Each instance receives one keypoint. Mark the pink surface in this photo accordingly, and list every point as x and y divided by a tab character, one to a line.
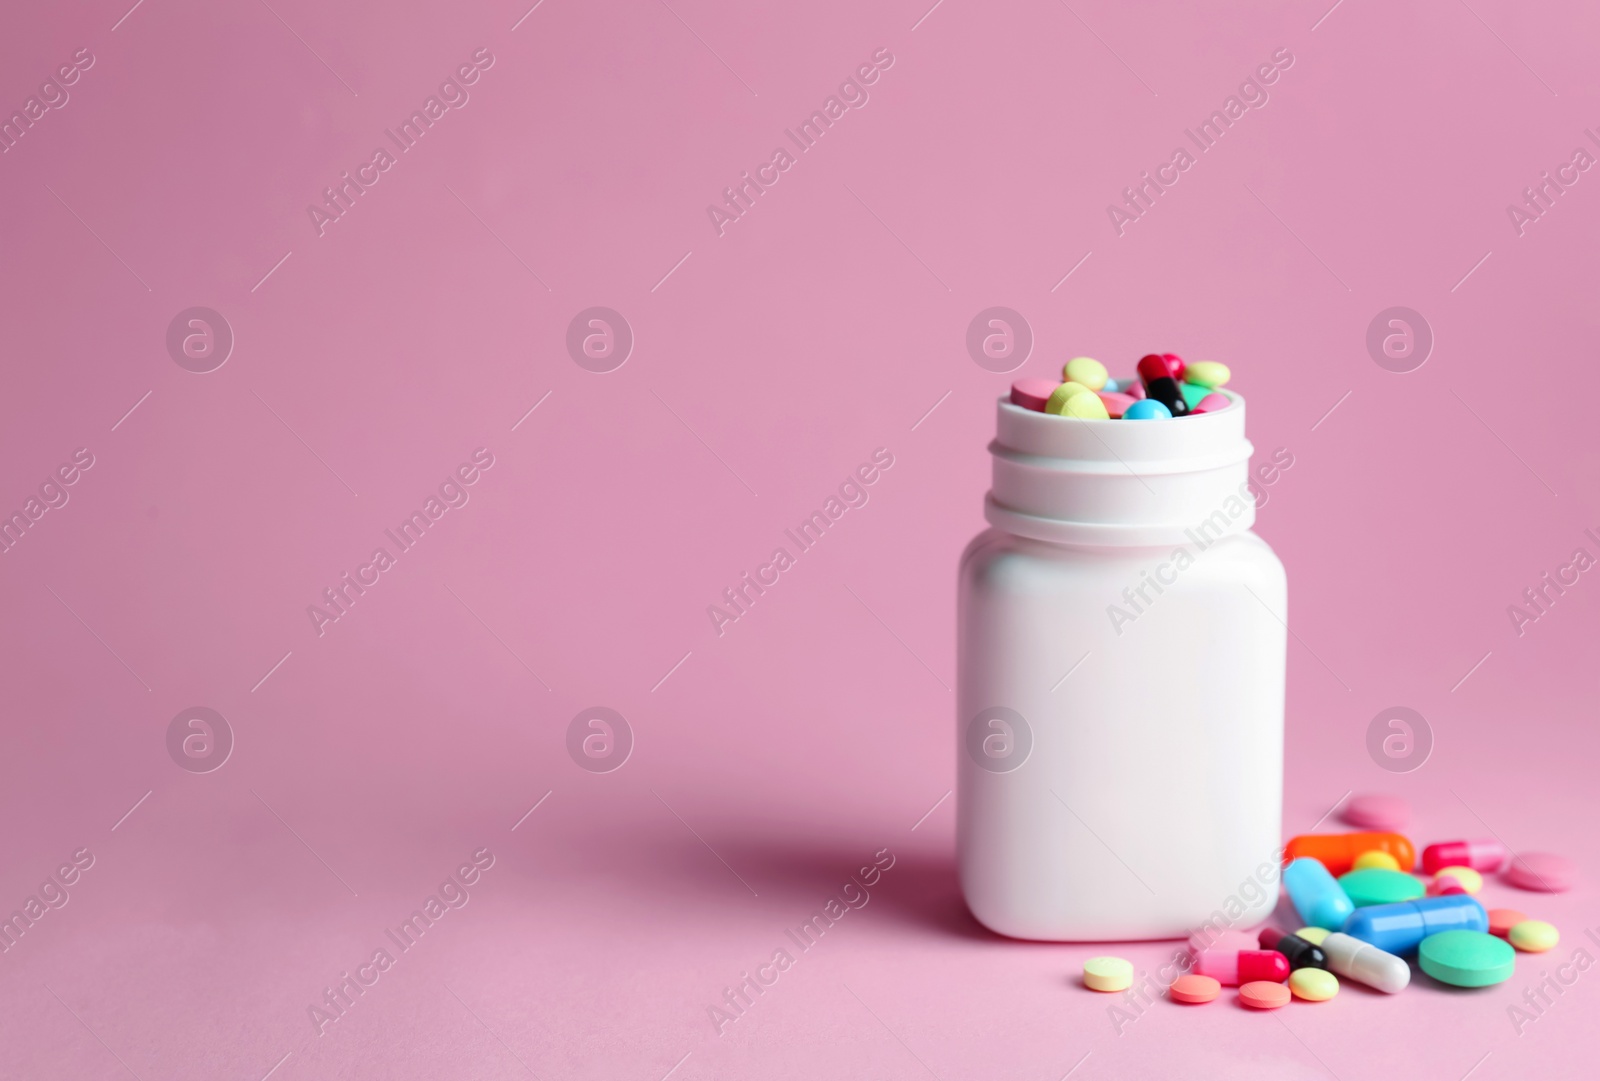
766	358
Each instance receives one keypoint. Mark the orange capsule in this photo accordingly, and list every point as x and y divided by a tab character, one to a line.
1338	851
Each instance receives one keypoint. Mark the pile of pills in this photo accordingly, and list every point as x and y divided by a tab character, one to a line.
1165	387
1365	913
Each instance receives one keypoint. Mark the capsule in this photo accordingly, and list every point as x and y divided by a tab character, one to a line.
1232	969
1365	963
1338	851
1299	952
1479	855
1316	894
1156	373
1400	927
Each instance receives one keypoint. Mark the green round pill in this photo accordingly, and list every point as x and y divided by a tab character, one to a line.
1193	392
1378	886
1467	958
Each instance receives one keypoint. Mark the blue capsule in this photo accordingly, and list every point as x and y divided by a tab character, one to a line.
1316	894
1147	409
1400	928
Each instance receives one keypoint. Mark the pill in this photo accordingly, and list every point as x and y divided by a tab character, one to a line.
1299	952
1313	935
1338	851
1262	995
1111	386
1444	886
1397	928
1213	403
1107	974
1542	871
1313	984
1146	409
1229	940
1032	393
1132	388
1085	407
1193	393
1116	404
1244	966
1086	370
1375	860
1502	920
1059	397
1466	958
1207	373
1478	855
1175	365
1194	988
1376	886
1316	896
1375	811
1470	880
1533	936
1365	963
1161	386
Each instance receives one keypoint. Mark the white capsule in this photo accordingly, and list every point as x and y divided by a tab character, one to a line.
1365	963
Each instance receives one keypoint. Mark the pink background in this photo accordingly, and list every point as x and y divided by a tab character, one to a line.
773	760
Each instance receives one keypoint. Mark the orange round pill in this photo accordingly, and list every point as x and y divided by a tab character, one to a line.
1262	995
1502	920
1194	988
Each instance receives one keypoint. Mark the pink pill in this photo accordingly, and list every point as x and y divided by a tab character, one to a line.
1387	814
1542	871
1444	885
1211	403
1175	365
1115	402
1033	393
1135	389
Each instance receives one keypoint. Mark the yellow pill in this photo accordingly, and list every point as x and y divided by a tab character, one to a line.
1313	935
1313	984
1375	859
1107	974
1086	370
1206	373
1085	407
1470	880
1533	936
1062	394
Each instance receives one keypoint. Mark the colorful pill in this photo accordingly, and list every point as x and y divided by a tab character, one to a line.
1161	386
1478	855
1245	966
1313	984
1175	365
1213	403
1466	958
1377	812
1207	373
1369	861
1376	886
1397	928
1146	409
1298	952
1338	851
1107	974
1116	404
1085	407
1132	388
1542	871
1059	397
1470	880
1262	995
1502	920
1086	370
1315	894
1032	393
1314	935
1444	886
1365	963
1533	936
1194	988
1193	393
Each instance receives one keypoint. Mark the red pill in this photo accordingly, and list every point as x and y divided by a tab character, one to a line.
1033	393
1157	366
1245	966
1479	855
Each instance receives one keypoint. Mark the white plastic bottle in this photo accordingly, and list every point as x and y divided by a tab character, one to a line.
1121	647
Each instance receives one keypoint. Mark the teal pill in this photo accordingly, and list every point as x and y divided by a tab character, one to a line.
1377	886
1147	409
1193	392
1467	958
